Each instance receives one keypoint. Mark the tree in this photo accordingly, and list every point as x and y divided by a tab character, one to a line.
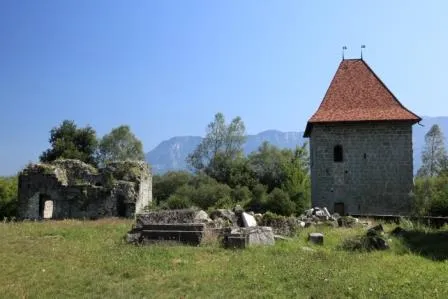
69	142
297	180
434	157
163	186
120	144
222	139
267	164
284	169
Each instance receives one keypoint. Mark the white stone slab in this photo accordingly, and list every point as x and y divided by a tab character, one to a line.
48	209
248	220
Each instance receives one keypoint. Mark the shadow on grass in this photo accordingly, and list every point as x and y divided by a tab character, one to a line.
432	245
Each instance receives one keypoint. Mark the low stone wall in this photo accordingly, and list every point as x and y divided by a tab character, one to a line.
167	217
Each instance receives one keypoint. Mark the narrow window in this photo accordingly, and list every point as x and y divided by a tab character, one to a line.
338	154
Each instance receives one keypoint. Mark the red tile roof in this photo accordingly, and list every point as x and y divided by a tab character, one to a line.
356	94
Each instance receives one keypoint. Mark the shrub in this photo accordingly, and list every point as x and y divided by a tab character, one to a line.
259	197
279	202
178	202
431	196
8	197
212	195
241	195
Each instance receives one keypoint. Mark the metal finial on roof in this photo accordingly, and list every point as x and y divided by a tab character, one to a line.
362	47
343	50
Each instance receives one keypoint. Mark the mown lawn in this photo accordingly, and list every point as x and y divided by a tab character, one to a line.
89	259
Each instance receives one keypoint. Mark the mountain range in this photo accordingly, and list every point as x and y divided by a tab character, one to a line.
171	154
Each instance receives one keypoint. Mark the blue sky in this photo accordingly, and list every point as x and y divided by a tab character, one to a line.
166	67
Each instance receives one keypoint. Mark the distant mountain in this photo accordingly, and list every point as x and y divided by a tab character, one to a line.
171	154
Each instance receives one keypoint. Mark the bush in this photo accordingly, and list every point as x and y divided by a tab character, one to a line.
258	202
431	196
241	195
212	195
279	202
8	197
166	185
178	202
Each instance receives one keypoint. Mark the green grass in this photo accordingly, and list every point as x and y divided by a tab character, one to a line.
89	259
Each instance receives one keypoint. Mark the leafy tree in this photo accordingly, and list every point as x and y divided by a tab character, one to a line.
233	172
268	165
69	142
120	144
163	186
434	157
8	196
226	140
297	180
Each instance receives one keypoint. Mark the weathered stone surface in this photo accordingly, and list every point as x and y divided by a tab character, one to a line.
348	221
133	237
188	233
202	217
260	235
248	220
72	189
281	225
316	238
372	240
257	235
227	215
327	213
167	217
235	241
375	176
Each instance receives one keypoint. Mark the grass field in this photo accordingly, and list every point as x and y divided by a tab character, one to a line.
89	259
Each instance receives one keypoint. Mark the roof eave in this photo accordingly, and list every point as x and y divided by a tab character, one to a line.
310	124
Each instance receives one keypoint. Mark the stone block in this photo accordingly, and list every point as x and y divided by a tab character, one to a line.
258	235
248	220
316	238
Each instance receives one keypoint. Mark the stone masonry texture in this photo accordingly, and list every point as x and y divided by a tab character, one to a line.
73	189
375	176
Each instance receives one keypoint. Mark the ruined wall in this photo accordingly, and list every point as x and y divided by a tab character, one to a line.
375	176
73	189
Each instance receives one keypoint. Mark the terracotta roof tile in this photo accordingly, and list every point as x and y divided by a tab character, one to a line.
357	94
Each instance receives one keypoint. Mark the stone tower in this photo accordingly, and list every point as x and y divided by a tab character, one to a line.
361	146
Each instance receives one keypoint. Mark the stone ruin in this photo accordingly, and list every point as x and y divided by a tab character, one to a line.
235	228
69	188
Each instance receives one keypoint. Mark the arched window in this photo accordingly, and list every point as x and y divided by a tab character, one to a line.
338	155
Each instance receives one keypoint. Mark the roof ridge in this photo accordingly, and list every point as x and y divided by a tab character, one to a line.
388	90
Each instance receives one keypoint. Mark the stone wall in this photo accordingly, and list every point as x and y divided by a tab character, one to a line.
73	189
375	176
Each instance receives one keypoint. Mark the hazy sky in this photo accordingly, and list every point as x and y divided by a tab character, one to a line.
166	67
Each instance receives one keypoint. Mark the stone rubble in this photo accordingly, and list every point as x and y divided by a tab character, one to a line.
237	228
